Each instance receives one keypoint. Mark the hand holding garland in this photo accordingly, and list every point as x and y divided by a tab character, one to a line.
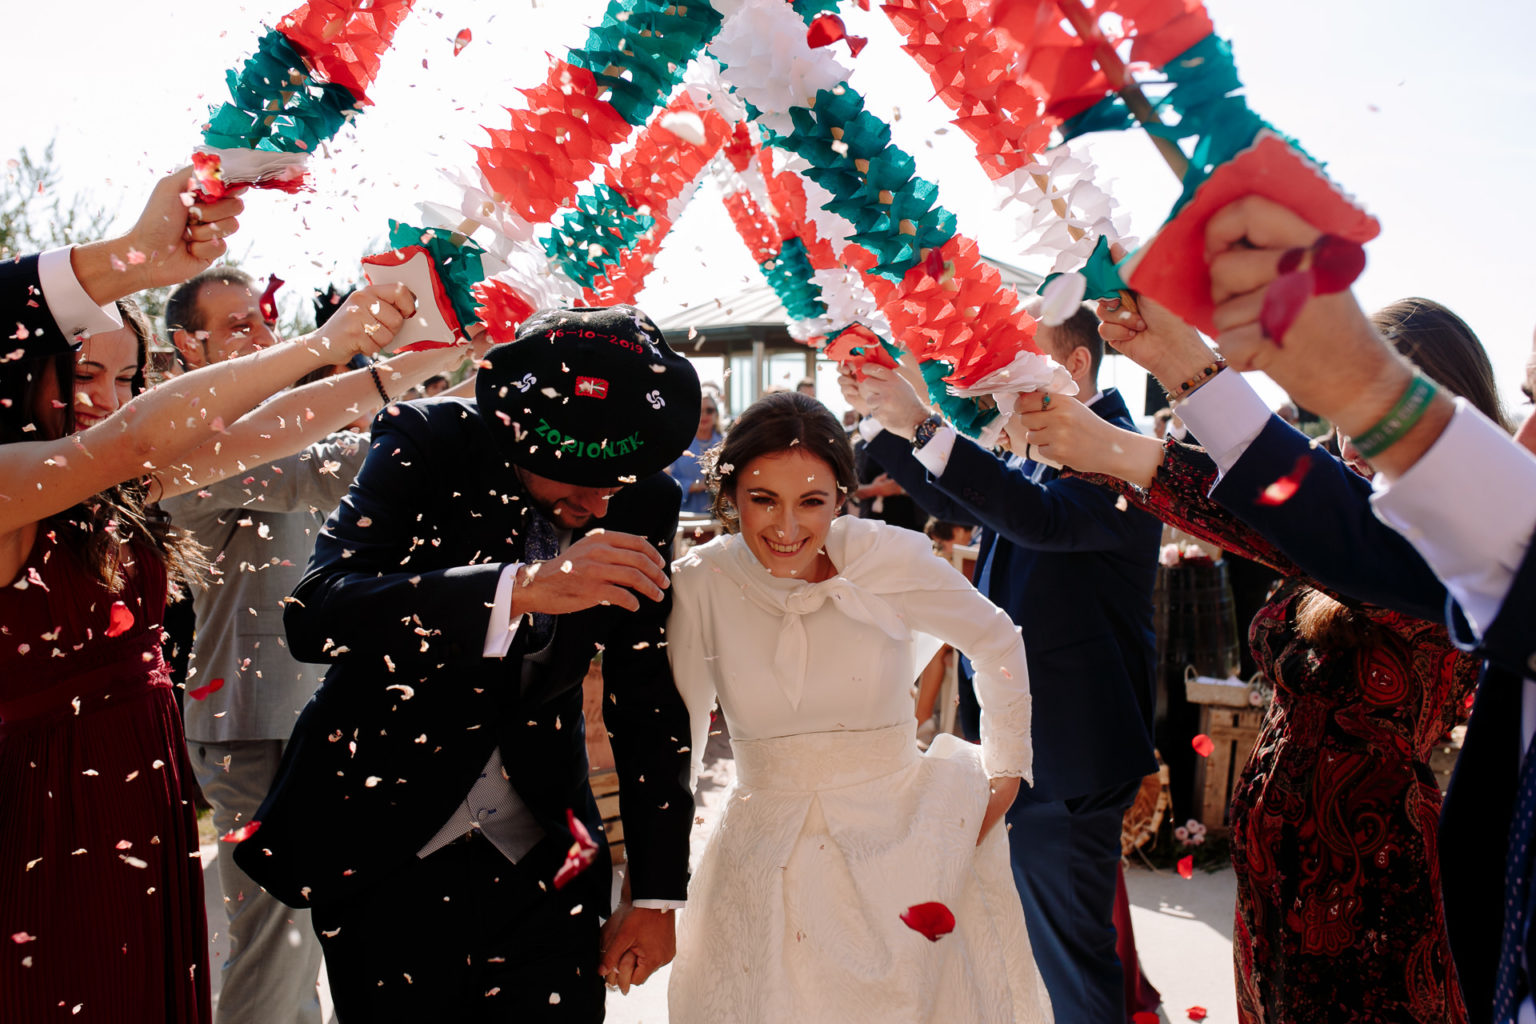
1331	360
174	238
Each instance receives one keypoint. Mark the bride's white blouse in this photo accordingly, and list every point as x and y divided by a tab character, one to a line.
787	657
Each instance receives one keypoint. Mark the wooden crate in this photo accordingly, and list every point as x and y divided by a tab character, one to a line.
1234	733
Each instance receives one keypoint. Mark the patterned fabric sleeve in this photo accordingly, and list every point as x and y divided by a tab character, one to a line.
1180	496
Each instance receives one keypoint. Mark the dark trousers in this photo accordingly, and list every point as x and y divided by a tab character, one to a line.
1066	859
464	935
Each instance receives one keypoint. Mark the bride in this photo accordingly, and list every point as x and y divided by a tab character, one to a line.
806	627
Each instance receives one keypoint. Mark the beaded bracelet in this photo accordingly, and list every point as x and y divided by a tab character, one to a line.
1400	419
373	370
1183	390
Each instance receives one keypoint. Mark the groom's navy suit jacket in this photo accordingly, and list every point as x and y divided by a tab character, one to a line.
396	600
22	305
1075	573
1329	529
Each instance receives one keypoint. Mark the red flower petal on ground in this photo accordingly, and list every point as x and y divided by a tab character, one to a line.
1281	491
825	30
241	834
1283	300
1196	1013
1144	1017
1203	745
120	620
581	854
1336	262
1186	866
462	40
202	692
930	920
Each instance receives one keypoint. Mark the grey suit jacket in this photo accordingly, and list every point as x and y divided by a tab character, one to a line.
260	528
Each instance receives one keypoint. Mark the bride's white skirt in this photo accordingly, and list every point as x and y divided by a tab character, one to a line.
795	912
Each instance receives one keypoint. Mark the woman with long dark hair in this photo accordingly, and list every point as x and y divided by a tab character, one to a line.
1334	842
100	884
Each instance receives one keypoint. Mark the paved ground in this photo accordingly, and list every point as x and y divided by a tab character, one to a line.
1183	931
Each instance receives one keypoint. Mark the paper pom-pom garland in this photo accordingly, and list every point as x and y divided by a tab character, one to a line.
307	78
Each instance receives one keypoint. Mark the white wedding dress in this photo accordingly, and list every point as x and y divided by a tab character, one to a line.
838	824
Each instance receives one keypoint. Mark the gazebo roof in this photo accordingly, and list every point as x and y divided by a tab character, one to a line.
756	313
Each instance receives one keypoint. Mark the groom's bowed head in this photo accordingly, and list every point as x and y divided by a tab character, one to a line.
589	396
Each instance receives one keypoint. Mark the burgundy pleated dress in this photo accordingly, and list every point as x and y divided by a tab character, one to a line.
101	891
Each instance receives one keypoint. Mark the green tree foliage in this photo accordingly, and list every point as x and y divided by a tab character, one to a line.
36	215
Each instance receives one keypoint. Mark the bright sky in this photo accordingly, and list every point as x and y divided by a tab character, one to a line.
1413	104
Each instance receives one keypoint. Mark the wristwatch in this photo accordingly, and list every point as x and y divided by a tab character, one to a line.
925	430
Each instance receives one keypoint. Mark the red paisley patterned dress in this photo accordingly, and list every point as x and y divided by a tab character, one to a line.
1334	817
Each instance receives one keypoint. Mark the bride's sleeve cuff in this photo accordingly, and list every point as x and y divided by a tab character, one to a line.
659	904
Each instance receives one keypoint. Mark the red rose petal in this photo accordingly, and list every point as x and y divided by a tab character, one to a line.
933	265
202	692
22	937
1144	1017
241	834
1282	490
855	44
1336	262
1290	260
1196	1013
1283	301
825	30
1203	745
462	40
1186	866
930	920
581	854
120	621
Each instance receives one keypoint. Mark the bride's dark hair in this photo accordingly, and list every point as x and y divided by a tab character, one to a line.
777	423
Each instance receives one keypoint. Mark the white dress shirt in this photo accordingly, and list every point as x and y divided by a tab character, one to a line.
71	308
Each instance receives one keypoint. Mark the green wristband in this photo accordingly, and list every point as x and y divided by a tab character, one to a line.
1400	419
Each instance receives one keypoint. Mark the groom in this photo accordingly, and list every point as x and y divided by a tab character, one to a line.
485	553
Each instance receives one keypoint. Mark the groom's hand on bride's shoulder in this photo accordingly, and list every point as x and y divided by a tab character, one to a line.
604	567
636	942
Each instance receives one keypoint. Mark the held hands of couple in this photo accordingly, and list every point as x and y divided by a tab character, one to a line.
604	567
636	942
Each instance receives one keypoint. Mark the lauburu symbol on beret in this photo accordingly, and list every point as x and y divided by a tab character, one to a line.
654	397
528	381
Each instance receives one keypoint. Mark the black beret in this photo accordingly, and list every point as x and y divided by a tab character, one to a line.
592	396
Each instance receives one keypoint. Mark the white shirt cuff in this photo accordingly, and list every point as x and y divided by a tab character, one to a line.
659	904
500	631
935	454
869	428
71	307
1225	414
1475	545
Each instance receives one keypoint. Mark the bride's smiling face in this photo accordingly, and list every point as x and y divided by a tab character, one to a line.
786	502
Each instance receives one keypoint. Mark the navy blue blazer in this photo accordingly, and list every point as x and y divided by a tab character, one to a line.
1329	530
1075	573
395	601
22	305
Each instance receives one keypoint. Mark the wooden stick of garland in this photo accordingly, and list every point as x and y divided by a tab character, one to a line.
1087	28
